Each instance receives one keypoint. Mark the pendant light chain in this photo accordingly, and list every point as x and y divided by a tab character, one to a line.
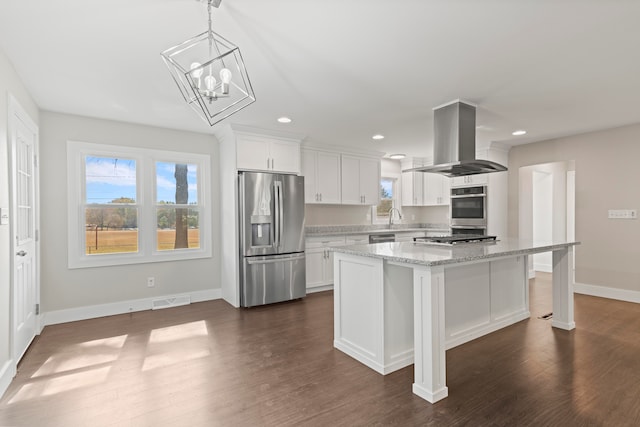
210	30
211	40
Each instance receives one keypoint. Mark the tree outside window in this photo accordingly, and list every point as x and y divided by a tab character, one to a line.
386	197
177	209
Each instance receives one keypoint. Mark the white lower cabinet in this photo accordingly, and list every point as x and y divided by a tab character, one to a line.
408	236
484	297
319	262
357	239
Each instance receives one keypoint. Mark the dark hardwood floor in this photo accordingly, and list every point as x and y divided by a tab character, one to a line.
208	364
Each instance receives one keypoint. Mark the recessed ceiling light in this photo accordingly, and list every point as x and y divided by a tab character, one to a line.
397	156
284	120
518	132
378	136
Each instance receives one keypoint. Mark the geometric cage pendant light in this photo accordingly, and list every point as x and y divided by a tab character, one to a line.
210	74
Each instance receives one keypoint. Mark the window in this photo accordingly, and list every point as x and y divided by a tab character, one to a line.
386	198
177	210
388	190
129	205
110	209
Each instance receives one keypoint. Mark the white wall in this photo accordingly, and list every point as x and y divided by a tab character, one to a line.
9	84
606	175
542	217
68	290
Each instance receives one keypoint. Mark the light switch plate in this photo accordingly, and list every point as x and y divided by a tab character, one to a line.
4	216
623	214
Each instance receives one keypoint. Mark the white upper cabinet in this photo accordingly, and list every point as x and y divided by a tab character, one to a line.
423	189
266	153
436	189
321	171
469	180
412	188
360	180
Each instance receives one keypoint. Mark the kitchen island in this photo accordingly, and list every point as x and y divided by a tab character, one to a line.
401	303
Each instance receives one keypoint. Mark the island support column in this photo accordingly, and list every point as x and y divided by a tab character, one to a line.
563	289
429	333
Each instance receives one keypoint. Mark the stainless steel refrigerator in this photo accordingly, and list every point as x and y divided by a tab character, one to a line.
271	225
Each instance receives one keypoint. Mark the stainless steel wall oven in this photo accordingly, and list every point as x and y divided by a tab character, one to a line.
469	209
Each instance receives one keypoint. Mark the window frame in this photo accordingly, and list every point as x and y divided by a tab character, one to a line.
375	219
146	201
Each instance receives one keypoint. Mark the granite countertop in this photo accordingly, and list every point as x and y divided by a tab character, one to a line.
343	230
429	254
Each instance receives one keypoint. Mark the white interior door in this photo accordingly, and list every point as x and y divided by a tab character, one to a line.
25	286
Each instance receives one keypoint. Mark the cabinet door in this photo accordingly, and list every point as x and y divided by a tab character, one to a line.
285	156
309	171
469	180
350	171
436	189
359	239
315	263
370	181
328	268
432	189
252	154
328	177
412	188
408	237
446	190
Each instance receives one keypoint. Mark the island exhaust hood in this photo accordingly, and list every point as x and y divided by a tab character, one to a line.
454	145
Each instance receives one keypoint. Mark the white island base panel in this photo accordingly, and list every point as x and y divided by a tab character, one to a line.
384	309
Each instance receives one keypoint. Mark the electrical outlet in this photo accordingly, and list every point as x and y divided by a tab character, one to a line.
151	282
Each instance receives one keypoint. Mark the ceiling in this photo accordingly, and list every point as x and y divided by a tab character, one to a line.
344	70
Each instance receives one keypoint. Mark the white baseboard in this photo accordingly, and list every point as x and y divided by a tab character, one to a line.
319	289
545	268
607	292
93	311
7	373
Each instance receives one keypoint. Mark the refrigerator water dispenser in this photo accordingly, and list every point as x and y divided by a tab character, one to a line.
261	231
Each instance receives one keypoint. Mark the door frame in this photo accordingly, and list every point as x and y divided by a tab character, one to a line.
17	112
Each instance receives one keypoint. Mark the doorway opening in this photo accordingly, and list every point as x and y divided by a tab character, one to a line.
546	207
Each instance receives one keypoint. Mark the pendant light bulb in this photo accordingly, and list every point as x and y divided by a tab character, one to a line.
210	83
225	76
196	72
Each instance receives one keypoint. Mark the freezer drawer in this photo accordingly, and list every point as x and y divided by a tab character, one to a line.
269	279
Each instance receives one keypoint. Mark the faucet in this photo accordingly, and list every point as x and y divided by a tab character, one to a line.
391	215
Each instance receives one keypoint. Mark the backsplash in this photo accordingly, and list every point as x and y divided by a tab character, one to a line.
320	229
361	215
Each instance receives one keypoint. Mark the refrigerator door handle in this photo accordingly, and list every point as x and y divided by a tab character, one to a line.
274	260
277	190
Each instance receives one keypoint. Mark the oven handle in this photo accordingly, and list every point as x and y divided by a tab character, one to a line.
462	196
